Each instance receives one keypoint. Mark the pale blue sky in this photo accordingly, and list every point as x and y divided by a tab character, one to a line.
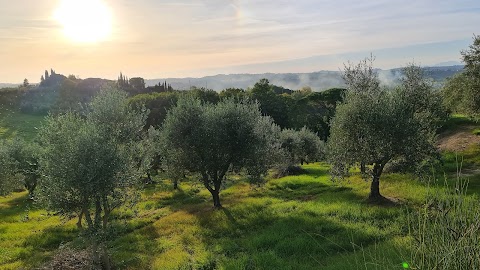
154	39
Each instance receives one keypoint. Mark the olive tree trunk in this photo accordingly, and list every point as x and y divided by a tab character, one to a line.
375	185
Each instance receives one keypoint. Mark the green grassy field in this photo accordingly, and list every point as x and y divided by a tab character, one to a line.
296	222
14	123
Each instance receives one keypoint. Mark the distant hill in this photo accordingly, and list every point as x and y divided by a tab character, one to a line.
7	85
318	81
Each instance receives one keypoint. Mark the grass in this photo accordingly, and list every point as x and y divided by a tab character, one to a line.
14	123
296	222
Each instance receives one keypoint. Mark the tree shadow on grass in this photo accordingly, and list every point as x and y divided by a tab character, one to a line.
309	191
180	198
274	241
39	247
135	249
16	207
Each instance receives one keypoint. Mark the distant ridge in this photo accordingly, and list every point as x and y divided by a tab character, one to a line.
7	85
318	81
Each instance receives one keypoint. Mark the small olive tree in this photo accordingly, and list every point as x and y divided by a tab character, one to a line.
300	147
211	139
7	169
389	127
25	154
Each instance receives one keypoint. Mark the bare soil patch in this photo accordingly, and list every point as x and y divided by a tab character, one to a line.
459	139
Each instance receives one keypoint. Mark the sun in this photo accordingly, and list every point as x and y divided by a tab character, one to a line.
85	21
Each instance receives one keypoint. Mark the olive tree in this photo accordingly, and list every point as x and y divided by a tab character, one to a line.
300	147
7	168
361	78
91	164
25	154
211	139
462	91
83	171
376	129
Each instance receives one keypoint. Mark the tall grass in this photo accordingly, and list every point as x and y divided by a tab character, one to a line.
445	231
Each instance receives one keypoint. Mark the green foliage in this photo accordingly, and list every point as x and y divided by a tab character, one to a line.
10	97
39	101
462	92
92	162
471	57
137	84
271	104
237	93
314	110
25	154
376	125
7	170
210	139
111	112
157	104
361	77
204	94
300	147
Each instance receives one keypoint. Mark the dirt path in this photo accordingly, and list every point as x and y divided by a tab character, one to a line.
459	139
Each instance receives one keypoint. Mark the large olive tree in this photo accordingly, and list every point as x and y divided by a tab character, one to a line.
211	139
379	126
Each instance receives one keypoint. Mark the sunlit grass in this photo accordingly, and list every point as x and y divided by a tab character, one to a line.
296	222
28	235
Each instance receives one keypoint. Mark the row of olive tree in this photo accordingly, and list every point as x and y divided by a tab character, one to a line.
91	163
209	140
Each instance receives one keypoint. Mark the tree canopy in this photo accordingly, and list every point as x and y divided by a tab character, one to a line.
462	91
379	125
91	162
7	170
211	139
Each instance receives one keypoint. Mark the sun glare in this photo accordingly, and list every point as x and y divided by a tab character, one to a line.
84	20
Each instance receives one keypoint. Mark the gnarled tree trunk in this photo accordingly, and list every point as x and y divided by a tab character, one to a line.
375	185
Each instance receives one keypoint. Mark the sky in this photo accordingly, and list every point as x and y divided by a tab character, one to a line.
193	38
